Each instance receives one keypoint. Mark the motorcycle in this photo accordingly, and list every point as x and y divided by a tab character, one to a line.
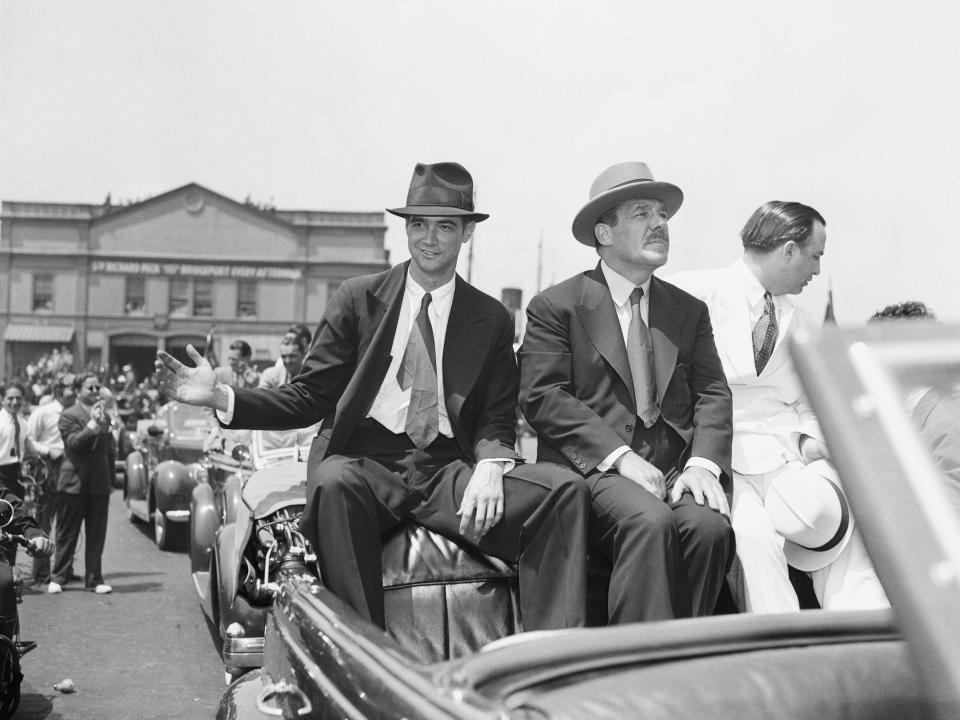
12	649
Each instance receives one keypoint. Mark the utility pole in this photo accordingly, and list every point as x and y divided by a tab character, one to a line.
473	241
540	261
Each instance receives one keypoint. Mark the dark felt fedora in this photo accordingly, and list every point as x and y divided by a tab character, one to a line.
617	184
441	189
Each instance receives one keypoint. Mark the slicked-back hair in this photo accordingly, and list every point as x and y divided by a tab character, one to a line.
776	222
910	310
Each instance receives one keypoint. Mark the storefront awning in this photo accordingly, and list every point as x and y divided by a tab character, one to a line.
38	333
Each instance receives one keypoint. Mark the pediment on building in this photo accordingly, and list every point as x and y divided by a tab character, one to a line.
192	220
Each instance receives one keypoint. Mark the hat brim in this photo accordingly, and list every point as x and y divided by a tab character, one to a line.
805	559
436	211
670	195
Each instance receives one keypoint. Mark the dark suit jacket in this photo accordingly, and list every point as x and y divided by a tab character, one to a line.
89	455
575	386
350	356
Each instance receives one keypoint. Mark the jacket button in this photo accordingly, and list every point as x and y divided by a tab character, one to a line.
629	428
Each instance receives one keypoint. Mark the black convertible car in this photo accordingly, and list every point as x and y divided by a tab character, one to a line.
449	651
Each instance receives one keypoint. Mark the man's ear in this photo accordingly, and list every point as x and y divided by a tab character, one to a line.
601	231
789	249
468	228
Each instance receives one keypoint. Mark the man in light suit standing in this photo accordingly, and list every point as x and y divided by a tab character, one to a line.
754	312
620	379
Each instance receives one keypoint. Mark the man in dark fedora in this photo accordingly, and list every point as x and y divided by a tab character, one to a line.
620	378
413	374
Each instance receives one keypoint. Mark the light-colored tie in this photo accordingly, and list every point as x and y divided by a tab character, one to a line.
764	334
640	356
418	371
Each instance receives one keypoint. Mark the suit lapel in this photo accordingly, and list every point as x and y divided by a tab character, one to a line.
598	315
382	312
666	320
733	330
467	336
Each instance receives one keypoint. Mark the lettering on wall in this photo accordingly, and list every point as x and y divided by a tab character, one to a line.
136	267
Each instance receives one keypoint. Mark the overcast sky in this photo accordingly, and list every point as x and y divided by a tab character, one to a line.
851	107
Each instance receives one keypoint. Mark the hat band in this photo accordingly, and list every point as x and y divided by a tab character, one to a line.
844	523
439	195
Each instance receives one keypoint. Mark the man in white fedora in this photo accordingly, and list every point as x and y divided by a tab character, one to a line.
753	311
620	378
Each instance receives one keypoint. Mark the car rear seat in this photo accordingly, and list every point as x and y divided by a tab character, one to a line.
444	600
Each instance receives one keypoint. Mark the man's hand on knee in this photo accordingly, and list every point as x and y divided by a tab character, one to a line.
643	473
704	486
482	500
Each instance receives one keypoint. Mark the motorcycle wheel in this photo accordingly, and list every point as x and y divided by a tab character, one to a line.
10	677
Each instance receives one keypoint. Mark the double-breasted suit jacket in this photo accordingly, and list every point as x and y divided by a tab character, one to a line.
89	455
350	356
769	410
576	386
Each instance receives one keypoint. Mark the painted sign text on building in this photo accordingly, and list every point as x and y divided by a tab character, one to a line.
135	267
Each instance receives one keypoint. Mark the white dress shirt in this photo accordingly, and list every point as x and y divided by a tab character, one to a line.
7	435
43	429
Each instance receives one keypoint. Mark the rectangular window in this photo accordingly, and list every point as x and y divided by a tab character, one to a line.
43	293
203	298
136	302
179	298
246	299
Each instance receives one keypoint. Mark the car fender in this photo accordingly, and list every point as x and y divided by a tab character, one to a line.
239	702
204	521
228	570
232	499
172	486
136	484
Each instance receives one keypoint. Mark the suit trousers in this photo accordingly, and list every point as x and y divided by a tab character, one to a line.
669	559
382	479
91	512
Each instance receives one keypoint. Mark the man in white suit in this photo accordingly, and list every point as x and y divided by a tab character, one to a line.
774	430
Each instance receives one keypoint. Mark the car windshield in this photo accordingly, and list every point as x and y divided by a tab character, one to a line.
189	421
886	397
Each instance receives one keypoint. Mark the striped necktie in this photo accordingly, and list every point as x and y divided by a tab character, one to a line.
764	334
418	371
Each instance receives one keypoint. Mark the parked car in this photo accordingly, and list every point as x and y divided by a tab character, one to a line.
322	660
164	468
244	526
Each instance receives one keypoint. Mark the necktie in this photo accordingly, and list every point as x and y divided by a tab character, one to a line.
418	371
764	334
16	435
640	356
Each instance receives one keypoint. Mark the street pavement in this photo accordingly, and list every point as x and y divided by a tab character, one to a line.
142	652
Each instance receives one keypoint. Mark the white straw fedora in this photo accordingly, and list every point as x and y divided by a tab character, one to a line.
808	508
618	183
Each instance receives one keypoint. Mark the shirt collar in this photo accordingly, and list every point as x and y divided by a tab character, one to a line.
620	287
438	297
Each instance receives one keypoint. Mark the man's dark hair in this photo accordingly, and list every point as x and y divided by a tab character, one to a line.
13	384
243	346
295	341
301	332
776	222
912	309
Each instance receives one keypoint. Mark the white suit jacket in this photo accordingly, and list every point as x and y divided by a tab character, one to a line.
770	411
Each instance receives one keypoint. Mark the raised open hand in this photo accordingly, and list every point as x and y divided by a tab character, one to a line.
192	385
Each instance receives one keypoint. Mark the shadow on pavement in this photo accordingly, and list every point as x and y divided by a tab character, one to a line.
34	705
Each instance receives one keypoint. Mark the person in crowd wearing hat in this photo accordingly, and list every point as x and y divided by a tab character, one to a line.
413	373
774	429
621	381
84	485
44	441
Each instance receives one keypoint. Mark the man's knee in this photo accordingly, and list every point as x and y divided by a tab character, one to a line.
653	522
337	477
